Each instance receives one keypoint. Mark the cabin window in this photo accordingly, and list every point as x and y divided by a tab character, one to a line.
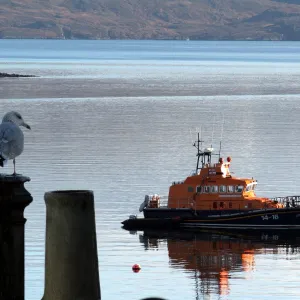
251	187
230	189
214	245
214	188
215	205
230	205
239	188
190	189
198	189
222	188
222	204
206	189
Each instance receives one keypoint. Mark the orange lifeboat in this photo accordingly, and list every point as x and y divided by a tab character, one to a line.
212	197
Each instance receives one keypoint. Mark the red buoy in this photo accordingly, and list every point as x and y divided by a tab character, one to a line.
136	268
229	159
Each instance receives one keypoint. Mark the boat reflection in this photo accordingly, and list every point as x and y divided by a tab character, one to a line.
211	257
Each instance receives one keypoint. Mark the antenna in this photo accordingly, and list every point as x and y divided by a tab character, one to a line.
205	154
222	129
200	133
213	130
199	152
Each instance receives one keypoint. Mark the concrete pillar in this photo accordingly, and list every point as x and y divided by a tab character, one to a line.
13	200
71	259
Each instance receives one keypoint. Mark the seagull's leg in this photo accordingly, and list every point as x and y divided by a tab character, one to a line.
14	162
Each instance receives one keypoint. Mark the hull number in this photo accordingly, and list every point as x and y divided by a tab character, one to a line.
270	237
270	217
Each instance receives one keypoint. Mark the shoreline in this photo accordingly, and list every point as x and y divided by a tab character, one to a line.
4	75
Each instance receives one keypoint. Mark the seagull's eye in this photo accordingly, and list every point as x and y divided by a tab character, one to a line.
18	116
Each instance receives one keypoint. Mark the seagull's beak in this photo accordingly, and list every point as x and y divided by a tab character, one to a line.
27	126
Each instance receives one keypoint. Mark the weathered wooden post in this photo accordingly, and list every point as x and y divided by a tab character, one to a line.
13	200
71	259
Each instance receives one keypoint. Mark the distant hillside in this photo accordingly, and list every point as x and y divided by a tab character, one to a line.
151	19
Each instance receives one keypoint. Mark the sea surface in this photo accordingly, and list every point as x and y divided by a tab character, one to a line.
120	118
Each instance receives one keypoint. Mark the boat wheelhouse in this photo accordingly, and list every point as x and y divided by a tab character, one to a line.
211	188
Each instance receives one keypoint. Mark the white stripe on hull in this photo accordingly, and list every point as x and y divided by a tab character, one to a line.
192	225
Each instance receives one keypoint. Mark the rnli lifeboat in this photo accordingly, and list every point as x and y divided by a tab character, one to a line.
213	197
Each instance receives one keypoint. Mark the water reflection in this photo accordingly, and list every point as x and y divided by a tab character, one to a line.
212	257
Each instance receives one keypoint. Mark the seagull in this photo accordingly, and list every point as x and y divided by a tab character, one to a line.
11	137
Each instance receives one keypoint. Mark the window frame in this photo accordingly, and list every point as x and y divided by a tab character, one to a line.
212	189
190	189
238	186
206	189
232	187
225	188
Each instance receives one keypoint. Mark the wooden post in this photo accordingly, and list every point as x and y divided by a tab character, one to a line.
13	200
71	260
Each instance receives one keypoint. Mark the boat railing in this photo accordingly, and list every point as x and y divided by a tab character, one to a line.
287	201
163	201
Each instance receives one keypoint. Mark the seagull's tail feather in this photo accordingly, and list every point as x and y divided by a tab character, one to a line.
3	161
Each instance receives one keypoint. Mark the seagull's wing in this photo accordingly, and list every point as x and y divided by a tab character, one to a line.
7	134
9	138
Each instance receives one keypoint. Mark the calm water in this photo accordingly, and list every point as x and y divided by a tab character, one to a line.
124	147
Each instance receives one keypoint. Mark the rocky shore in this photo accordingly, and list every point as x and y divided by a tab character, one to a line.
14	75
263	20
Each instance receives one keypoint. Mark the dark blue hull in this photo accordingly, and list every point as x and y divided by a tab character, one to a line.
163	213
284	218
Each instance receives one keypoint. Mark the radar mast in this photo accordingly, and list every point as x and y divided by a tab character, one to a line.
205	154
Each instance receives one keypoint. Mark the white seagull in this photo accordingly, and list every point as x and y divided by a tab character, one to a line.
11	138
